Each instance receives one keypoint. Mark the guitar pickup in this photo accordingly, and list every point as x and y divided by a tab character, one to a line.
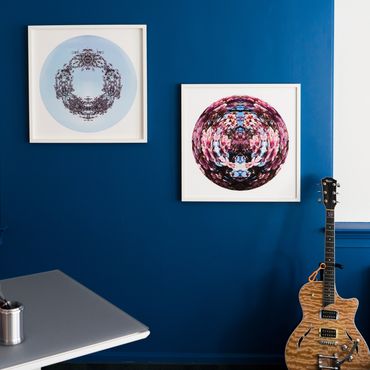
328	315
328	333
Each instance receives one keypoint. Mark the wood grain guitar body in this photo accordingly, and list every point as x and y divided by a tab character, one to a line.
327	337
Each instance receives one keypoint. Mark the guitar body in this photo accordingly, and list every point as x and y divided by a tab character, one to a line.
310	349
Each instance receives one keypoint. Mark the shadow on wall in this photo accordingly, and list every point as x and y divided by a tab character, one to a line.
2	231
276	310
364	314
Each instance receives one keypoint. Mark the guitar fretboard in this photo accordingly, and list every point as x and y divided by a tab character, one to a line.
329	272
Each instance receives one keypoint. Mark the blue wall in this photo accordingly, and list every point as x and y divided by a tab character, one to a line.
215	282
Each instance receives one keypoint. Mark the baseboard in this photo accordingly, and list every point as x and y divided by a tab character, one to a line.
117	356
120	360
71	366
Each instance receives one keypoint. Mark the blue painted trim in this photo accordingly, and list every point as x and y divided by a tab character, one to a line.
185	358
352	230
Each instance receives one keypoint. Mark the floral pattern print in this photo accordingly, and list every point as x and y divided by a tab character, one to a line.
88	108
240	142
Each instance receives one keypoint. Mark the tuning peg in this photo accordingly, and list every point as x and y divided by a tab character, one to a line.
338	185
319	200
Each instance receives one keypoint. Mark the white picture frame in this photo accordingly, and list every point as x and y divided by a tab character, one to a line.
109	109
284	186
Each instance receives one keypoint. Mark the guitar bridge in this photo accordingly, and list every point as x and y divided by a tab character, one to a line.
328	342
326	362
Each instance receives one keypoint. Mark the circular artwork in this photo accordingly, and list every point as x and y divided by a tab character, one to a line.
88	83
240	142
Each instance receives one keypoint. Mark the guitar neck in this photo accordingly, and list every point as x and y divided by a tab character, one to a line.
329	272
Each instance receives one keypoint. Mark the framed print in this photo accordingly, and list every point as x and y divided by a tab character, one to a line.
241	142
87	84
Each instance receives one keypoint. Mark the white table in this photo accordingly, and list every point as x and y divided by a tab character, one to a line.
63	320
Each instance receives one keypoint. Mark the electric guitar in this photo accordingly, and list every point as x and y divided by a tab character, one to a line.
327	337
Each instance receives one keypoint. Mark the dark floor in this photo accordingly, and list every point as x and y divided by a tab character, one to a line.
67	366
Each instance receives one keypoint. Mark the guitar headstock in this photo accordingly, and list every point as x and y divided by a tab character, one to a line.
329	192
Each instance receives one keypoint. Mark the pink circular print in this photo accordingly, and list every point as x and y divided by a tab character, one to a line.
240	142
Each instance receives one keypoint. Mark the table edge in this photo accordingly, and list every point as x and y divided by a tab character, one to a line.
82	351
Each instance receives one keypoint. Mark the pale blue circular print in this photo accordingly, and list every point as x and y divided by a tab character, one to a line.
88	83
